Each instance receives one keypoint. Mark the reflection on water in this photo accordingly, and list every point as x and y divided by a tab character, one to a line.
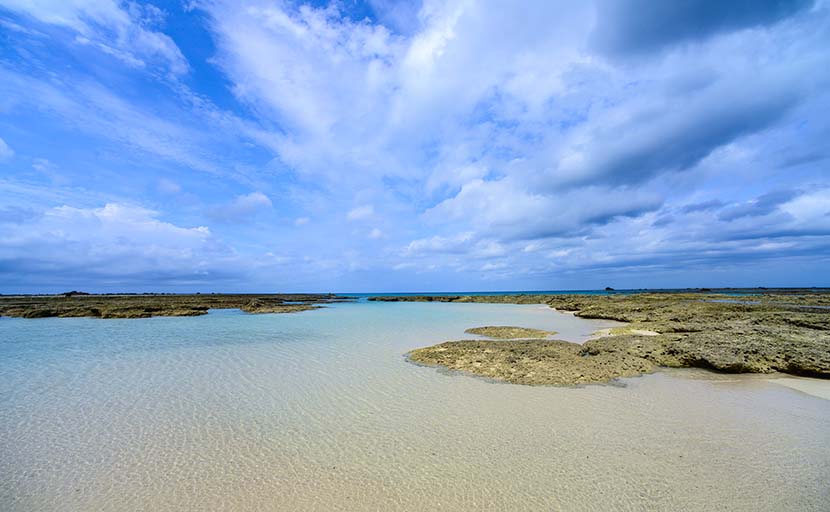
320	411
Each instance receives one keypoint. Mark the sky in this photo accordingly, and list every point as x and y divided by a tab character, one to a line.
385	145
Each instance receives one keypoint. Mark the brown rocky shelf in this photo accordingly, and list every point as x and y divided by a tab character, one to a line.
768	332
75	304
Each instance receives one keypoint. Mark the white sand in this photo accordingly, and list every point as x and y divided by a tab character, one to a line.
814	387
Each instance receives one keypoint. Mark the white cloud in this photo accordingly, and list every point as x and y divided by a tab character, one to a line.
358	102
116	239
361	212
202	138
507	209
119	29
375	234
6	153
168	187
242	208
528	153
533	246
811	209
489	267
324	78
50	170
440	244
43	165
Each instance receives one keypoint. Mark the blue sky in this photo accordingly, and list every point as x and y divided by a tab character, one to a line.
383	145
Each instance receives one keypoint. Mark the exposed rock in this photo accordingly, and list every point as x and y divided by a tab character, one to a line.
147	305
768	332
509	332
531	362
260	306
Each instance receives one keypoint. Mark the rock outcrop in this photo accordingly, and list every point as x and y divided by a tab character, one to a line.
148	305
763	333
508	332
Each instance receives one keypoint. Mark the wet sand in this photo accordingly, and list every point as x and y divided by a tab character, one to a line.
815	387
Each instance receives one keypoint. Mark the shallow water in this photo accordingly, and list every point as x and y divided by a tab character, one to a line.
320	411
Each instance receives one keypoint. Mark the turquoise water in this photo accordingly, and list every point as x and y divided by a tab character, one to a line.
444	294
320	411
738	292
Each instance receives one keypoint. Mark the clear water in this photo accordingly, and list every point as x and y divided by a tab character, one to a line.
320	411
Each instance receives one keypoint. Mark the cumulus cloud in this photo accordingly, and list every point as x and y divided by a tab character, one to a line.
458	244
323	77
358	101
506	209
361	100
590	137
796	225
116	240
242	208
123	30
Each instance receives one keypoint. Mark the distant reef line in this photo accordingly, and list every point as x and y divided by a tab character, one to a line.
80	304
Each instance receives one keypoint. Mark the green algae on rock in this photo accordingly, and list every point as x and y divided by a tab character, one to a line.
508	332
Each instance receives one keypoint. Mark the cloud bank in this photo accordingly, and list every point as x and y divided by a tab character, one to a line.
452	144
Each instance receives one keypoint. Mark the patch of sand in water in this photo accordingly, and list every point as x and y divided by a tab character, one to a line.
815	387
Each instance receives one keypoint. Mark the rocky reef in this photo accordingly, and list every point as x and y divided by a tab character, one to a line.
531	362
76	304
762	333
508	332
